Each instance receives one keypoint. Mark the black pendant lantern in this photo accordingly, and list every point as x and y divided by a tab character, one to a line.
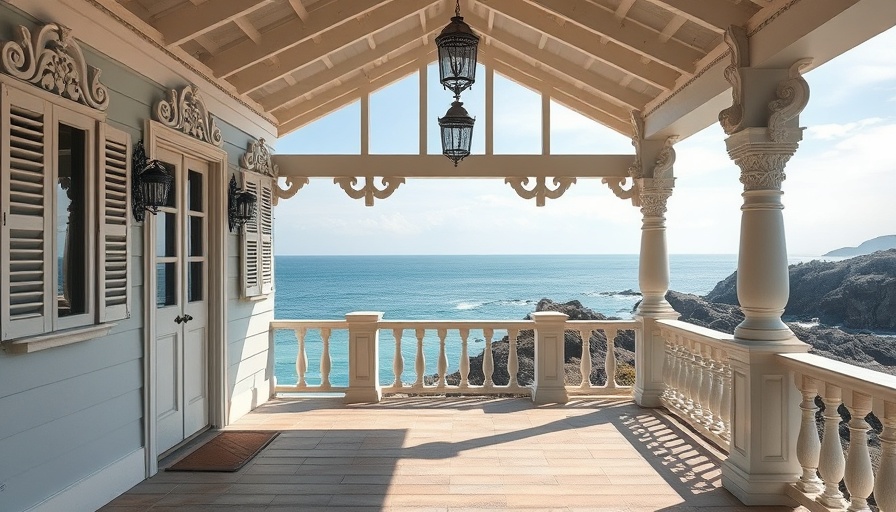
457	132
151	184
458	49
240	205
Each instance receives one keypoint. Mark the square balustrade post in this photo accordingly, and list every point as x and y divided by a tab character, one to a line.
550	375
363	357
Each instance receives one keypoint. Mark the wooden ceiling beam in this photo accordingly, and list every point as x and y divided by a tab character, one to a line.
591	45
632	36
316	81
716	17
190	21
567	69
299	9
329	100
288	35
301	55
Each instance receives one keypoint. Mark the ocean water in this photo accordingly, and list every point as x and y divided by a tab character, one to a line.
453	288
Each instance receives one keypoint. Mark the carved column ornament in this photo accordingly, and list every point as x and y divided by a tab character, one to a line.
653	194
186	112
636	170
661	170
732	118
369	191
793	96
257	158
540	190
52	60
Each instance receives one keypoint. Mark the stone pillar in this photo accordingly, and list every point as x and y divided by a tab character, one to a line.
363	357
763	133
653	279
550	375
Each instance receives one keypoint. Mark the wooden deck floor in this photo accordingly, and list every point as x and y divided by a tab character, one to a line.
455	454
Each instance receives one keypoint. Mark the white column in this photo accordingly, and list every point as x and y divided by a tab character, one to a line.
550	376
765	413
363	357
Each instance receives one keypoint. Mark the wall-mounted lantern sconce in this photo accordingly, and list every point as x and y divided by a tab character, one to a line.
240	205
151	184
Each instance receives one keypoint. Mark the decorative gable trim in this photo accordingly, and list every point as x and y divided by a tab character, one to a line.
257	158
186	112
53	61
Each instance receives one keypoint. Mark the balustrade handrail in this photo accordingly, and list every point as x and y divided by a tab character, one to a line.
312	324
843	375
703	335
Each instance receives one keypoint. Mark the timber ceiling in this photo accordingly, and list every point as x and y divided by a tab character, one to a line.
297	60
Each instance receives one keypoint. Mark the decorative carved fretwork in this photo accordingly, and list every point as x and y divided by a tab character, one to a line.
666	159
257	158
53	61
732	118
653	195
293	184
793	96
762	171
540	190
369	191
636	170
186	112
617	184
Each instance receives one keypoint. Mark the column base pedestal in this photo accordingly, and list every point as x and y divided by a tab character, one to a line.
550	396
753	490
362	396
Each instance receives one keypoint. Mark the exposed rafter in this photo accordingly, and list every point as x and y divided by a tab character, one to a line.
339	37
190	21
717	19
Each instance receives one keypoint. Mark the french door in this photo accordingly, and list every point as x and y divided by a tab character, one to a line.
181	305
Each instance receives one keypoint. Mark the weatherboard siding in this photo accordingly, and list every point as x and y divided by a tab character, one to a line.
68	412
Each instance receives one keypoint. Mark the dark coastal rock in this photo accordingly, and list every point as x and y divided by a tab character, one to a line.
858	293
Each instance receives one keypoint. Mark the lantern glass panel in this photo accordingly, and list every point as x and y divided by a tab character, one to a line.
457	65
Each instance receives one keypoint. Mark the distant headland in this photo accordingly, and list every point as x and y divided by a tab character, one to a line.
881	243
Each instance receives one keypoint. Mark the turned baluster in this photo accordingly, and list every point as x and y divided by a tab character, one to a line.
420	361
513	363
705	416
831	464
696	380
464	358
488	362
398	360
725	408
668	361
681	389
442	365
325	359
859	477
585	364
808	445
715	394
610	360
885	484
301	358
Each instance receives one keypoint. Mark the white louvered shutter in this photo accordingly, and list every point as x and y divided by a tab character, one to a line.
114	206
25	193
265	207
252	244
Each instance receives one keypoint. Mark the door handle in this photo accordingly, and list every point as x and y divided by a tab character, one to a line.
187	318
179	319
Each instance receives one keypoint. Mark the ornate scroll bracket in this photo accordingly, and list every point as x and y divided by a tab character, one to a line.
662	169
540	190
293	184
369	191
53	61
732	118
636	170
186	112
257	158
793	96
616	185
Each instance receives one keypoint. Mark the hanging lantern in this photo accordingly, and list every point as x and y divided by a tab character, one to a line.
241	205
458	49
151	184
457	132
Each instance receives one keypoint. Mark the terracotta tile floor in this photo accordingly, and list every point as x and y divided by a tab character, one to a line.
454	454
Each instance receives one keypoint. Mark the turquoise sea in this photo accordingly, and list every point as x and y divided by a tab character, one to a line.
454	288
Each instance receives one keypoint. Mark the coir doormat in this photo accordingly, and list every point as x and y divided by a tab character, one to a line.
227	452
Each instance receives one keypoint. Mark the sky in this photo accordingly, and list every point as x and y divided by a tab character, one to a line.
840	188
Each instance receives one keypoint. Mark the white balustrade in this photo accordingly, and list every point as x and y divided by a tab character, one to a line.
698	380
861	391
441	338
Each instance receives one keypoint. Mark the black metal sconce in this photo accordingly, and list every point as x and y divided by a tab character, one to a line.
240	205
151	184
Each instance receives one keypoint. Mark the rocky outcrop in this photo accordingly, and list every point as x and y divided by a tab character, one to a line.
858	293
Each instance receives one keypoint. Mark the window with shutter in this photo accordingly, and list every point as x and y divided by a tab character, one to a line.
252	243
114	251
26	134
265	213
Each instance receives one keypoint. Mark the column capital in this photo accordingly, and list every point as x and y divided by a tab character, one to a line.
762	161
653	194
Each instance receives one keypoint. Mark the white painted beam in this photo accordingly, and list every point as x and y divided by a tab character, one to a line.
189	21
287	35
439	167
339	37
716	16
